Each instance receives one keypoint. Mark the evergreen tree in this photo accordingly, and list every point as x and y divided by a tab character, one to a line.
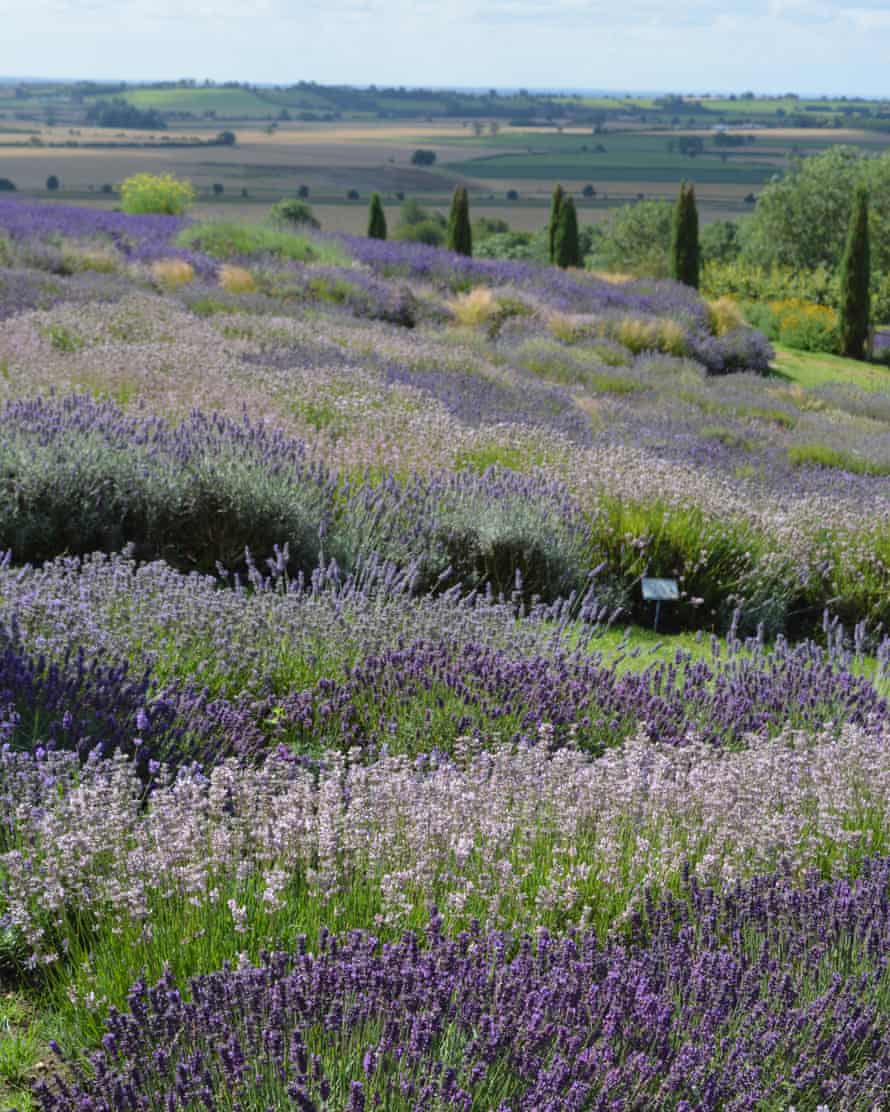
376	218
684	238
855	300
460	234
566	249
555	206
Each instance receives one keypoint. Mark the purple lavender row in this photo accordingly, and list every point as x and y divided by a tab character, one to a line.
138	238
420	698
571	293
756	998
86	706
84	476
508	835
425	695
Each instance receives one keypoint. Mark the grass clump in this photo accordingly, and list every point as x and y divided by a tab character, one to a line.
236	279
171	274
724	315
722	565
64	339
474	308
823	455
79	258
661	334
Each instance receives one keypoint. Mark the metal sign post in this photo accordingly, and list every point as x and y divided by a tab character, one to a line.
659	591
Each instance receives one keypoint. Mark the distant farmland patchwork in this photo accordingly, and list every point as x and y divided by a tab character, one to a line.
635	148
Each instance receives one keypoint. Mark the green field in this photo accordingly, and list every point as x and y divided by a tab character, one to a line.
222	101
337	140
812	369
636	156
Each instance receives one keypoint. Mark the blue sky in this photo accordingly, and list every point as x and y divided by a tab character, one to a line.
764	45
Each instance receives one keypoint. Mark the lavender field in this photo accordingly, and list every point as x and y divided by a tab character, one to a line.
340	767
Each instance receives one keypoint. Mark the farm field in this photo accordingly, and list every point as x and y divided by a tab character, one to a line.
332	159
341	766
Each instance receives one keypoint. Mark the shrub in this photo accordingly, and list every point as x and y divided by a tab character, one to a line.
84	477
799	324
429	232
170	274
487	226
226	240
423	157
293	213
52	183
741	349
518	246
102	260
720	241
156	193
636	239
748	282
7	186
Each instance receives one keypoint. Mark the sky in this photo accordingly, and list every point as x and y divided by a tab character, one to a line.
768	46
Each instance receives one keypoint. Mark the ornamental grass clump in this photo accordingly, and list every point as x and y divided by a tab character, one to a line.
236	279
725	315
476	307
170	274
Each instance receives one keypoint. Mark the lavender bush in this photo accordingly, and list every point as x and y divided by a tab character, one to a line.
318	631
139	238
512	836
753	999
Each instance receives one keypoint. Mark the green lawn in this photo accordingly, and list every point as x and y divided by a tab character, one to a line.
811	369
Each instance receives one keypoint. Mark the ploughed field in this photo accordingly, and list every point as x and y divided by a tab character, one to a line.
340	767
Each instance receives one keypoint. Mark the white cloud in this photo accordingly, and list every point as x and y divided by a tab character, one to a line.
640	44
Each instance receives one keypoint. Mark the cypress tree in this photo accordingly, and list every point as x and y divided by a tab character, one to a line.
555	206
855	301
460	234
684	238
376	218
566	250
